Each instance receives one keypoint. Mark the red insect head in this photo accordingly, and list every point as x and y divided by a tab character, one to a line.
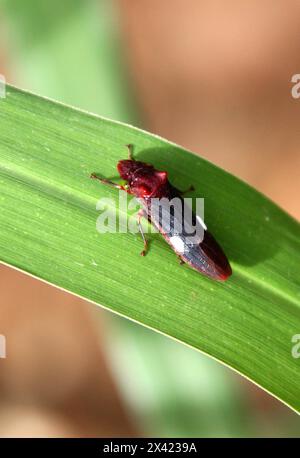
143	179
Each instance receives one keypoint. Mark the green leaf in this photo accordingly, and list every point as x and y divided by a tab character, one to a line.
48	229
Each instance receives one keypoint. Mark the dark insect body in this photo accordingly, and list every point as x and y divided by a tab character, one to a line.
147	184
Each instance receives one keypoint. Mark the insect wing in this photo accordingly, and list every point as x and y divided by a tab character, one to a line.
188	236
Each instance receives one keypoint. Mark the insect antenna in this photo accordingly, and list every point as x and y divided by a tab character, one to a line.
130	152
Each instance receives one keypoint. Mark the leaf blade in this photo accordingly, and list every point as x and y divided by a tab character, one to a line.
47	152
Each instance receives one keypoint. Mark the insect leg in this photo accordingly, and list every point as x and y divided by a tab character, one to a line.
130	152
181	261
141	214
107	182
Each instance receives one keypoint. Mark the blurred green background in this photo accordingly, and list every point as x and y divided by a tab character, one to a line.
75	370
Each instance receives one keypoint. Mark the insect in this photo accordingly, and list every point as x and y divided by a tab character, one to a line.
148	185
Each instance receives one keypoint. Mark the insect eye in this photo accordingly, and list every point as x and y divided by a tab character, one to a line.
144	190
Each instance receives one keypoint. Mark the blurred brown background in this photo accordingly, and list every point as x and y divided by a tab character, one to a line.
213	76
